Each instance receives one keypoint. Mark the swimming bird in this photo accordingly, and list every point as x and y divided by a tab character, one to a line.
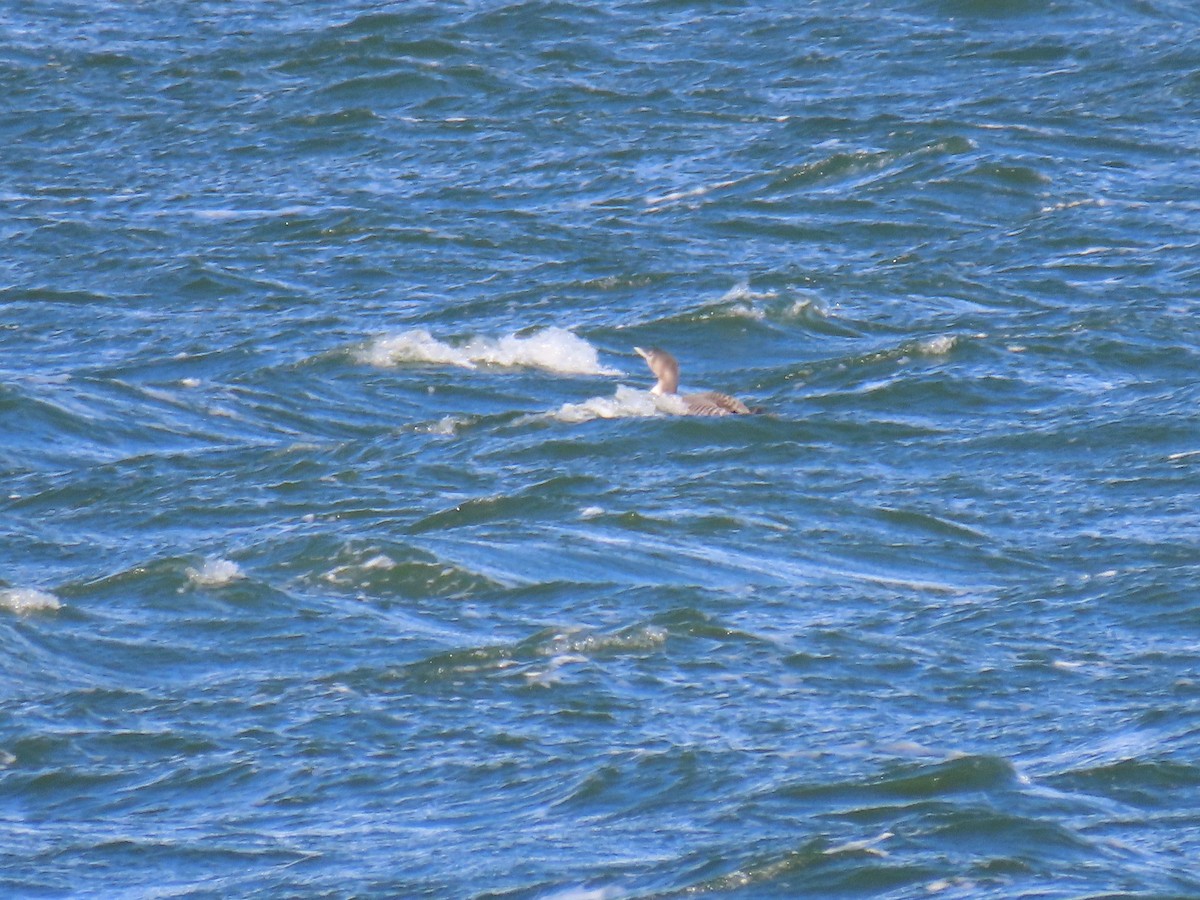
709	403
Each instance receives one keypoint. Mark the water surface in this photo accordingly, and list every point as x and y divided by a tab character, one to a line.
343	551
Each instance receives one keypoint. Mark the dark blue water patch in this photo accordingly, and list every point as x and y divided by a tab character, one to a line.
1142	784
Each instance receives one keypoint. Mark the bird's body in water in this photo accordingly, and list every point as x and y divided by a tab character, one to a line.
709	403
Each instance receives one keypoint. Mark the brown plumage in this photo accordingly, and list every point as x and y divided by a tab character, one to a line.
709	403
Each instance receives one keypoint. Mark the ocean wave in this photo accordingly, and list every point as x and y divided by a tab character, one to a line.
744	304
740	301
935	347
542	659
580	646
552	349
589	642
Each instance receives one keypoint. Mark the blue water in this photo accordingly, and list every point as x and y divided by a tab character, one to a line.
344	552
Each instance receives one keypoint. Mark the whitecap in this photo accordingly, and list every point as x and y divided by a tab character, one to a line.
552	349
380	561
417	345
943	884
551	674
807	308
626	403
1064	665
214	573
607	892
869	846
742	291
688	193
740	301
447	426
27	600
938	346
746	311
579	642
359	571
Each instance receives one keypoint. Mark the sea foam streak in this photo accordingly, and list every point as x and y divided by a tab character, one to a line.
553	349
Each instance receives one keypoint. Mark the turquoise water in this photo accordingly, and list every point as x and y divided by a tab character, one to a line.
343	551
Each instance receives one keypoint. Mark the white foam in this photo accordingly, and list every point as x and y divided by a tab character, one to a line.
579	642
741	301
27	600
412	346
225	215
938	346
688	193
580	893
553	349
1064	665
943	884
1071	204
214	573
551	674
869	846
808	307
745	302
359	572
626	403
747	311
380	561
446	426
742	291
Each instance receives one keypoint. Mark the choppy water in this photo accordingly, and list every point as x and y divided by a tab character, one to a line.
344	553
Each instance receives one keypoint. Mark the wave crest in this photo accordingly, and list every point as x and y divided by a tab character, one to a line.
27	600
552	349
626	403
214	573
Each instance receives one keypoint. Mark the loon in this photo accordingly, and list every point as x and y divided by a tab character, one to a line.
709	403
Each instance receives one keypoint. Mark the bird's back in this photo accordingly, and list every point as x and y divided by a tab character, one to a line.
712	403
